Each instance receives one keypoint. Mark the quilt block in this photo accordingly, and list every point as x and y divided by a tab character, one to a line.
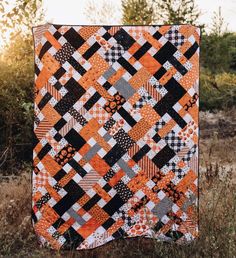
115	152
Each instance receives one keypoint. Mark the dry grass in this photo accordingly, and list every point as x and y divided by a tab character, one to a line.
217	217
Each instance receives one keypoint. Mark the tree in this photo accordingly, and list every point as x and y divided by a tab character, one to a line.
137	12
217	60
217	46
219	26
107	12
177	11
16	81
18	17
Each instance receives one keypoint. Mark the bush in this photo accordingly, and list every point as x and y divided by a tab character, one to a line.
217	92
16	98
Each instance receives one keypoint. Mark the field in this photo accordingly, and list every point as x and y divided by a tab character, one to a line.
217	180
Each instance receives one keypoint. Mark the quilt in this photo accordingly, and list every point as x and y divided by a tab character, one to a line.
115	146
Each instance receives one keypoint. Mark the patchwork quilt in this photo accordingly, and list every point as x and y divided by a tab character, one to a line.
115	149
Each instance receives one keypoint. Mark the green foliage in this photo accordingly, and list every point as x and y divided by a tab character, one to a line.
144	12
218	52
218	48
137	12
218	62
16	94
177	12
16	80
217	92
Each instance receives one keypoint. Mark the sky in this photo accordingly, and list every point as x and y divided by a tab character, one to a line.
72	11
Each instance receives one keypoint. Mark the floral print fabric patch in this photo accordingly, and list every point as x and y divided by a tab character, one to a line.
115	149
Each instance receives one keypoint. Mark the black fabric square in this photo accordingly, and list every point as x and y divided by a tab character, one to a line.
78	67
74	38
76	166
74	193
57	35
74	88
107	187
72	188
106	36
163	156
65	103
114	155
142	152
89	204
124	39
57	137
44	100
191	51
159	73
119	233
157	35
60	123
75	139
46	148
59	175
107	85
58	223
91	51
165	52
36	69
174	88
89	104
127	117
59	73
108	223
143	50
156	138
107	27
34	140
57	85
158	226
44	49
113	205
128	67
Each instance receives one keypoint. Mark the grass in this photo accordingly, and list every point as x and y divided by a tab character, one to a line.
217	217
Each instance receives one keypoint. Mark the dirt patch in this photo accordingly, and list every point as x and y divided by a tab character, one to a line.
222	123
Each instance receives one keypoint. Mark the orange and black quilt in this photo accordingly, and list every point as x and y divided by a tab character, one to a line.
115	147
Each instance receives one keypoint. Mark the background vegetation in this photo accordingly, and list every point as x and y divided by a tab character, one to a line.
218	129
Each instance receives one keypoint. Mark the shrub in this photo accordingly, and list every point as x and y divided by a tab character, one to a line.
217	92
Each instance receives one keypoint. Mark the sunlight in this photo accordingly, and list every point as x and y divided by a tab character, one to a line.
5	36
75	12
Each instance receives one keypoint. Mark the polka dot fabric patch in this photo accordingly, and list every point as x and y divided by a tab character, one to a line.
115	152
